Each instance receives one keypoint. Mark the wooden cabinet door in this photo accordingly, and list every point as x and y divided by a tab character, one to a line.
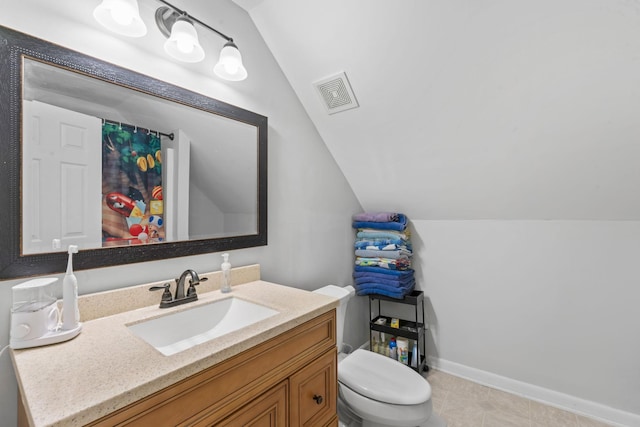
268	410
314	395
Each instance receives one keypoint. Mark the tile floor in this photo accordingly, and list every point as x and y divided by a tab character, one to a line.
464	403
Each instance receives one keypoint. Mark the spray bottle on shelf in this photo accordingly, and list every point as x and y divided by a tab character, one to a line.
70	312
226	274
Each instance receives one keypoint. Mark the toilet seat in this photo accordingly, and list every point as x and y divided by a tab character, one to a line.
382	379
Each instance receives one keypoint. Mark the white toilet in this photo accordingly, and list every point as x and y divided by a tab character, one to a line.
374	390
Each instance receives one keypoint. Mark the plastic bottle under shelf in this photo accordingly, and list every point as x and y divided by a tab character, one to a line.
403	350
414	355
393	349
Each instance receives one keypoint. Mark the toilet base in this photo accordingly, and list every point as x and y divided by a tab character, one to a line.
433	421
347	418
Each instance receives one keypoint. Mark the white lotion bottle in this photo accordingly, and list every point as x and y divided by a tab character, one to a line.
70	312
226	274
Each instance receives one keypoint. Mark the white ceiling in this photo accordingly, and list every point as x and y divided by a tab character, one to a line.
492	109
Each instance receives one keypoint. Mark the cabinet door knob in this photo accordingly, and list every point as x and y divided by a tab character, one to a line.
318	399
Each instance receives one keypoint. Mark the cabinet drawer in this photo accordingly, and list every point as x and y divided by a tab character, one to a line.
268	410
314	392
333	422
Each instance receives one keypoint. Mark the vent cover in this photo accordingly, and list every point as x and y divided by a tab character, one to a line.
336	93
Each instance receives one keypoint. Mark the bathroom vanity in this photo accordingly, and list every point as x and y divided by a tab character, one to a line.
277	372
292	376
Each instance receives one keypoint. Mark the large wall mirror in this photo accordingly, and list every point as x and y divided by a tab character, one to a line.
124	166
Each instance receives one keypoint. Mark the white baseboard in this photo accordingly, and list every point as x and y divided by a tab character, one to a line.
549	397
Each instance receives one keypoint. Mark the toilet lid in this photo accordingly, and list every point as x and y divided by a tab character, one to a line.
383	379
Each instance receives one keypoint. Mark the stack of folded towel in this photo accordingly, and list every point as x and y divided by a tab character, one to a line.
383	255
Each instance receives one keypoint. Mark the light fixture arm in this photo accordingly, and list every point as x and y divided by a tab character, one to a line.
185	14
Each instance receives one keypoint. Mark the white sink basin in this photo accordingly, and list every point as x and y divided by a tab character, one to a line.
179	331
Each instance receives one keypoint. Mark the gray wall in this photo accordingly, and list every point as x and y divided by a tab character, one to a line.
310	202
507	131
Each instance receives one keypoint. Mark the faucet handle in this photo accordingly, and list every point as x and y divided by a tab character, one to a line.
192	286
166	295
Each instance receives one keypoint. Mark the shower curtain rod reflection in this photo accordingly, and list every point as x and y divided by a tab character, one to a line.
113	122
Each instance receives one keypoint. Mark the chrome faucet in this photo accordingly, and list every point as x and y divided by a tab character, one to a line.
195	280
180	297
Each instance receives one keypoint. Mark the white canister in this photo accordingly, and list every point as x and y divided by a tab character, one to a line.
34	311
30	324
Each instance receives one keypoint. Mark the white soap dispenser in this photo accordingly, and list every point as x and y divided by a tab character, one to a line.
226	274
70	312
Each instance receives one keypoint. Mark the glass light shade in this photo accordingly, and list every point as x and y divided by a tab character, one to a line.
229	66
121	16
183	43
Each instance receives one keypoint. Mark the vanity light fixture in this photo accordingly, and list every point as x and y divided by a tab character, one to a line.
179	28
121	16
182	44
229	66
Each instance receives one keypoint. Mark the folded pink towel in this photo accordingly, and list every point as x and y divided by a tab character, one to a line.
376	216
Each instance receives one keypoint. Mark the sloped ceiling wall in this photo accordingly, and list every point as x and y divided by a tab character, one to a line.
507	132
473	110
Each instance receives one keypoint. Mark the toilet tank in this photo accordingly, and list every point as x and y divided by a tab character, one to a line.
343	295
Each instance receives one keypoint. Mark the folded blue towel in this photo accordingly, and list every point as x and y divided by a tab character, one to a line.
379	289
384	273
396	295
397	254
376	216
398	225
375	285
389	282
402	263
380	270
370	233
382	244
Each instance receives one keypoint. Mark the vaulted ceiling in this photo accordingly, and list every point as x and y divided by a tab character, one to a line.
492	109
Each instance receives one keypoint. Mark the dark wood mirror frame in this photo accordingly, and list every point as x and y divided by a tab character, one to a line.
13	47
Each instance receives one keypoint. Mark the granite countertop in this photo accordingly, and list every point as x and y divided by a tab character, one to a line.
107	367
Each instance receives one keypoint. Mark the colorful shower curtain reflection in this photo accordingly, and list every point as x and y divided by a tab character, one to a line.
132	206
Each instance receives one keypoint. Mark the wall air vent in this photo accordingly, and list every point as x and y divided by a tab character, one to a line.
336	93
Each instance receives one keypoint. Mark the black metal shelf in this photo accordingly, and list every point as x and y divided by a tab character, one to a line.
407	329
414	298
413	330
